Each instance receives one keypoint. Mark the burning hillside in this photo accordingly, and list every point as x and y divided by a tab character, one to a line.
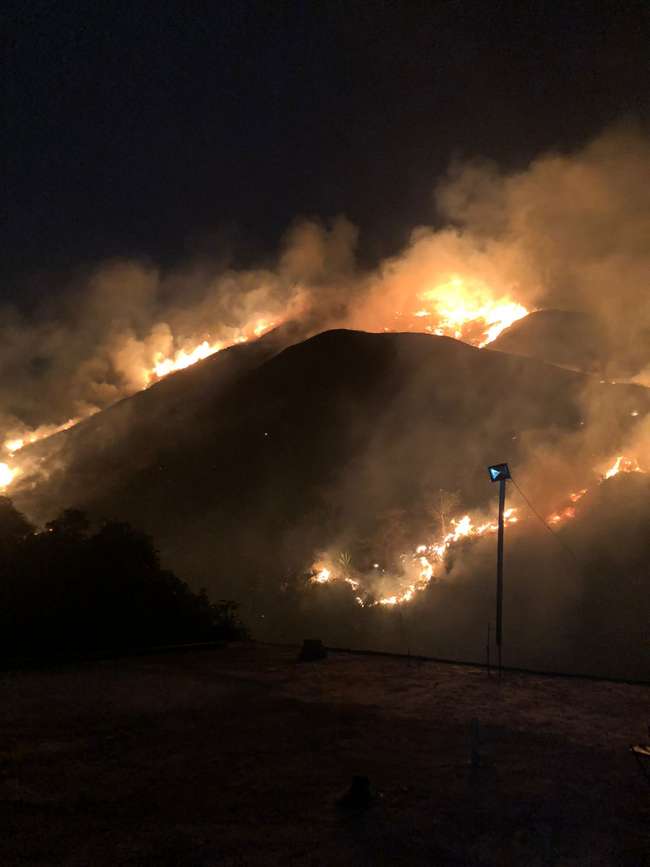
427	562
161	365
233	414
466	310
559	234
337	444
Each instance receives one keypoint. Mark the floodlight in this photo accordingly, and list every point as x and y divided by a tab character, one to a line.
499	472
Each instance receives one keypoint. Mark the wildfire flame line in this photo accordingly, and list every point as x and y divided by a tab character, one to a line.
162	366
467	310
461	307
426	557
184	358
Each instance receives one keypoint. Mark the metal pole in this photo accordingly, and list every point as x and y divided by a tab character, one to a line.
487	649
499	629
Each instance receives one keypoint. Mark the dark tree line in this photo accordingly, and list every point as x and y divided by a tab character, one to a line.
67	588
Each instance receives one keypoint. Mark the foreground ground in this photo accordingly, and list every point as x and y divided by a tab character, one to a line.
238	756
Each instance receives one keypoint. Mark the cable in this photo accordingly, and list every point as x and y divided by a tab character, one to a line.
537	514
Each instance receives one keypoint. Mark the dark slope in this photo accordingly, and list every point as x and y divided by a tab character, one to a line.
562	337
98	455
245	464
577	341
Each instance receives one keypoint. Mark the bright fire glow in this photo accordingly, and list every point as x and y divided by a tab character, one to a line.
7	475
467	310
322	576
183	358
26	438
422	565
464	308
623	464
162	366
186	357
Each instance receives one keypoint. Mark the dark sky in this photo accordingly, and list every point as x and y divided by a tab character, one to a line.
160	129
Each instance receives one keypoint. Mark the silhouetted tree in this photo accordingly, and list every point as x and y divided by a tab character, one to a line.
72	523
66	588
14	526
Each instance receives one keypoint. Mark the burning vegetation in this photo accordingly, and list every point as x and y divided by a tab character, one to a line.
464	309
427	562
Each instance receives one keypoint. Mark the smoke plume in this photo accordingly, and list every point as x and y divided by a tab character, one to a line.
568	231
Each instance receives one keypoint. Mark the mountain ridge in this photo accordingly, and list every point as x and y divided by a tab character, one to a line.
293	443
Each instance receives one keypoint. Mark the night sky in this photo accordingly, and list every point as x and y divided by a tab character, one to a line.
170	130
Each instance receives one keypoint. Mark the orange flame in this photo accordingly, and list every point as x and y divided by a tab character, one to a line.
186	357
623	464
16	443
467	310
322	576
464	308
161	367
423	561
426	557
182	359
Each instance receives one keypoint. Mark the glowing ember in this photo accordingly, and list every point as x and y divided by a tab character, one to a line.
468	310
565	514
388	600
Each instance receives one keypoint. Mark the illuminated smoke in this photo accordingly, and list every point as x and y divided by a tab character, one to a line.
569	231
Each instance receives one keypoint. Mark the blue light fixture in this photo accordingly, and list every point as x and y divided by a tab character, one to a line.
499	472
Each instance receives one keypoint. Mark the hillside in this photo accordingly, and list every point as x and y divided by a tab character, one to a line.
255	456
285	448
249	460
563	337
247	465
96	456
578	341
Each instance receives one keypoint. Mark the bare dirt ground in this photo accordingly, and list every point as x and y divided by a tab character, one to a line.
238	756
